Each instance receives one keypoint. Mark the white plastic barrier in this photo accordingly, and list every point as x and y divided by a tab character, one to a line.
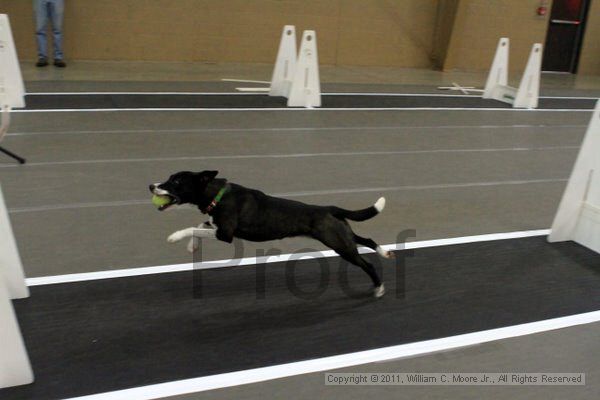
15	368
285	65
11	269
578	216
306	85
12	89
498	75
527	95
12	94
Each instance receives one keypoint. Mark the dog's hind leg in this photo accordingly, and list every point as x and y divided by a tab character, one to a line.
339	237
370	243
356	259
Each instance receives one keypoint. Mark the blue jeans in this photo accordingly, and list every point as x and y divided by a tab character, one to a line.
53	11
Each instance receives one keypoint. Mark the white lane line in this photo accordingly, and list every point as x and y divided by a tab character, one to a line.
419	187
298	129
284	156
122	273
245	377
139	94
55	207
244	80
66	110
146	202
253	89
251	81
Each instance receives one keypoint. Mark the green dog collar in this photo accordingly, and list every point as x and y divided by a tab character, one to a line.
217	199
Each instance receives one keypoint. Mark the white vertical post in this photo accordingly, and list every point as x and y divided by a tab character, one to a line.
12	89
15	368
306	86
499	72
4	121
529	89
11	269
285	65
578	216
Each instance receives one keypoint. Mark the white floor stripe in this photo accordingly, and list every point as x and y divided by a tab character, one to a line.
138	94
244	80
121	273
146	202
284	156
252	81
570	98
300	109
474	95
342	361
253	89
298	129
418	187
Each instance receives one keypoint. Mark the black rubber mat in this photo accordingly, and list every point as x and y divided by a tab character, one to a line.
98	336
104	101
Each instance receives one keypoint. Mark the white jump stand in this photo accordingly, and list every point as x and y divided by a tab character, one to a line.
15	368
527	94
285	64
12	89
295	75
306	85
578	216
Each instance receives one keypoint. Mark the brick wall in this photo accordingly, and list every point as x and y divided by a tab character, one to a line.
349	32
589	61
448	34
480	24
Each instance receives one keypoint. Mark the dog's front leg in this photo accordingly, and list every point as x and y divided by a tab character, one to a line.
192	233
180	235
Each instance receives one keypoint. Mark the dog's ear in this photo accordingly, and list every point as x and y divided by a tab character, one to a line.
207	176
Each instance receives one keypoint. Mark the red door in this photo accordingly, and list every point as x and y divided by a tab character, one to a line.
565	34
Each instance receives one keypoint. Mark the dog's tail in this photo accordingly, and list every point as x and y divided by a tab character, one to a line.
359	215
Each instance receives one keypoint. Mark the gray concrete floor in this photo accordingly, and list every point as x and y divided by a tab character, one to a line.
451	176
81	204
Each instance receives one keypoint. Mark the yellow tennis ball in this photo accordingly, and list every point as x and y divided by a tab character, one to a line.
159	201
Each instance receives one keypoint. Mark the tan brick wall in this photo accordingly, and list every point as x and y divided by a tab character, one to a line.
480	23
453	34
444	26
350	32
397	33
589	61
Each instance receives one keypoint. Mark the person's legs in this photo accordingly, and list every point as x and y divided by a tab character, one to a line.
57	8
40	8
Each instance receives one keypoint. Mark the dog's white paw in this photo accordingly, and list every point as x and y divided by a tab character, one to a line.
193	245
379	291
384	253
176	237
